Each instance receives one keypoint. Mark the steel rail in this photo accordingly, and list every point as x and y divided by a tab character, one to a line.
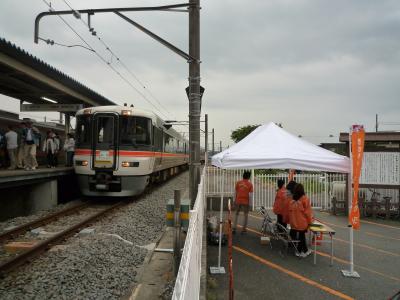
12	233
29	254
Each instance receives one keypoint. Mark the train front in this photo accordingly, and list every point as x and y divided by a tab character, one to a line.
110	147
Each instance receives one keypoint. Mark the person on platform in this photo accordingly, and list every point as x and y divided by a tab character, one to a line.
3	147
280	205
12	146
21	145
30	135
57	143
69	148
49	147
243	199
300	216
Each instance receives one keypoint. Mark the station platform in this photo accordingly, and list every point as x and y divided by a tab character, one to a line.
26	192
19	177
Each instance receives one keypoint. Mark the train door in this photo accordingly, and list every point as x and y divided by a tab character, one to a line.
158	145
105	141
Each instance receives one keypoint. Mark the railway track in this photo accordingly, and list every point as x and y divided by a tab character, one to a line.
42	246
21	229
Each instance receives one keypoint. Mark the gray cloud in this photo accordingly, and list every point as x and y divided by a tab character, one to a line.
315	66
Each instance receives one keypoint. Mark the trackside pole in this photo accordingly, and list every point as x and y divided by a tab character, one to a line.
254	184
230	263
219	269
177	230
351	272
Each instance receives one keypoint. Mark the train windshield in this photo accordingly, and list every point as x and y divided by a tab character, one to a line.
82	132
135	131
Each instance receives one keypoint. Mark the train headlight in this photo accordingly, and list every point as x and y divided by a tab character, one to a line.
126	112
83	163
127	164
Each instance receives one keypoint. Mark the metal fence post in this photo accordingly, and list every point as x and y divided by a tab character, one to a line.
253	182
177	230
326	195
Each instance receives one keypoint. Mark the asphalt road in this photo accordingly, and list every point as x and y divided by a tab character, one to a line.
264	273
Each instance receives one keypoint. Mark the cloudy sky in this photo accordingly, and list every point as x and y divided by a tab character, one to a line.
314	66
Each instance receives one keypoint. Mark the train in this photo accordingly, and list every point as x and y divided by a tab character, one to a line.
120	150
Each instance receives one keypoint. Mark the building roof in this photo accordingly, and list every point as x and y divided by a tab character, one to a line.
380	136
26	77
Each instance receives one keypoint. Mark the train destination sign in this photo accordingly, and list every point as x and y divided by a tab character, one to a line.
51	107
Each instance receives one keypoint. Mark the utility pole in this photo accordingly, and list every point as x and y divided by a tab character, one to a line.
194	99
206	139
376	122
220	146
213	142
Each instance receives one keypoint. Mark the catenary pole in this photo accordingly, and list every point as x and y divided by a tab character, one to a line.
206	140
194	98
212	150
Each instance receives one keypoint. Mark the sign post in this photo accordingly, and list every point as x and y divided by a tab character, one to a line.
356	150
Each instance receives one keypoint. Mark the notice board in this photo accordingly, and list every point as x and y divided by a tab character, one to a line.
380	168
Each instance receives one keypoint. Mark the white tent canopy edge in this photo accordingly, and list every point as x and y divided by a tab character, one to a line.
271	147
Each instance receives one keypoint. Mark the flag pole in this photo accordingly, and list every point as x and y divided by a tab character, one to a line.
351	272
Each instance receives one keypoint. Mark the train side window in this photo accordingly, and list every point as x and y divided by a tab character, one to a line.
157	137
136	131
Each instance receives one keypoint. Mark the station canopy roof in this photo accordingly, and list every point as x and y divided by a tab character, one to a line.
271	147
27	78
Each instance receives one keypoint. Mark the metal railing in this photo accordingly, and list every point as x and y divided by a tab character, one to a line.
319	187
187	284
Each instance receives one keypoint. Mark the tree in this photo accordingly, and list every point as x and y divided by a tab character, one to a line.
240	133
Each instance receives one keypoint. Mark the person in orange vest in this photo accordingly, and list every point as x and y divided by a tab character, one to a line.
300	216
243	199
280	204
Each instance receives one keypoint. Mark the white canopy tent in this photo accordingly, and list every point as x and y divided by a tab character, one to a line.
271	147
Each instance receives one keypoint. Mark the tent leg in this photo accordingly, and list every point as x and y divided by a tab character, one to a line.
219	269
254	184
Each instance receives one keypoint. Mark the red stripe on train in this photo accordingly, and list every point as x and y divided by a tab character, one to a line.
132	153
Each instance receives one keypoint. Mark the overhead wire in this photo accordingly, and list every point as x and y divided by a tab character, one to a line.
119	60
103	59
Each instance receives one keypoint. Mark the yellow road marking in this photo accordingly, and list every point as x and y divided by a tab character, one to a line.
293	274
370	222
382	236
358	266
344	241
340	260
256	217
368	247
378	224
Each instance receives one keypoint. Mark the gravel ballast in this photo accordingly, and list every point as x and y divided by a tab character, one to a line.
99	265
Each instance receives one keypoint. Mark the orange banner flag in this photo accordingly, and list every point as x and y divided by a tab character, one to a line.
357	150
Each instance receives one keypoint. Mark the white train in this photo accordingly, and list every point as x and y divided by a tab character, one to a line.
120	150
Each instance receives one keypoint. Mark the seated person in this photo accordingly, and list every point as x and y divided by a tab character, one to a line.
300	216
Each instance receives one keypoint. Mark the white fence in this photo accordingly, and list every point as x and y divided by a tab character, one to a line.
187	284
319	187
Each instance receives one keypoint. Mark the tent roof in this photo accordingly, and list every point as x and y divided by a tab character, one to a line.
271	147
